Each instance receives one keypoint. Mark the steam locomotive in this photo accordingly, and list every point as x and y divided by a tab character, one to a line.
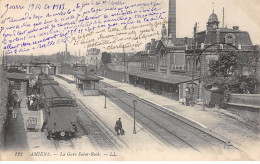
59	108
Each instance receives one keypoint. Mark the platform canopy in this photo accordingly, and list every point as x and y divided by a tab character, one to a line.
170	79
87	77
18	76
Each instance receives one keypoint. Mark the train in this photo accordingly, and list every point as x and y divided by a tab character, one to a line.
59	109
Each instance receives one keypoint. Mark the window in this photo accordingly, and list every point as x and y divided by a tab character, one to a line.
230	39
17	85
163	59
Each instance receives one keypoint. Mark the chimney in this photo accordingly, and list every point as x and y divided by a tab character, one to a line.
148	46
185	39
223	17
172	18
66	51
152	41
236	27
153	44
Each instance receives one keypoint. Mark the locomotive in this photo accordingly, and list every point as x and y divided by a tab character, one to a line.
59	110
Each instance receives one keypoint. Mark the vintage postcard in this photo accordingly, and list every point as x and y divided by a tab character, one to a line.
129	80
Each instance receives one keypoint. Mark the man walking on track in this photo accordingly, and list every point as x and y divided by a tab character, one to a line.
118	126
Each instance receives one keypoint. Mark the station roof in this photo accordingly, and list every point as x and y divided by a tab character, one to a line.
87	77
18	76
170	79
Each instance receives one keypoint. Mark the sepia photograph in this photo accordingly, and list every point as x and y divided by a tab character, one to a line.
121	80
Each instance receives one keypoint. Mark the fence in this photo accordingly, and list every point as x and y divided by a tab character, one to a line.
245	99
246	106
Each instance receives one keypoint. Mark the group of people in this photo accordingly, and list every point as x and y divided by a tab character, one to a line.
33	102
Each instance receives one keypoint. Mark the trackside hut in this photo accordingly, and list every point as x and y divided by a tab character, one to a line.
87	84
20	82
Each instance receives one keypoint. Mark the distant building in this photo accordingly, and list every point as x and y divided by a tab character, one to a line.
93	57
134	63
119	60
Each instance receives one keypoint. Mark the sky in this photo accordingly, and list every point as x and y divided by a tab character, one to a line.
242	13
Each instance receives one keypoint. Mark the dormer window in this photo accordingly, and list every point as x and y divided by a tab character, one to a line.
230	39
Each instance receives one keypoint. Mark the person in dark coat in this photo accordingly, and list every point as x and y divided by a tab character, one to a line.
28	102
118	126
19	102
15	99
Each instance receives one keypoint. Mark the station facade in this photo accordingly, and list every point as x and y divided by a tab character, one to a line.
174	67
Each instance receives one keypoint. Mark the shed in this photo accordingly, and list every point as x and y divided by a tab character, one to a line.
87	84
19	82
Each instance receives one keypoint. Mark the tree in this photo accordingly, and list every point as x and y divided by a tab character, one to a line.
106	58
228	73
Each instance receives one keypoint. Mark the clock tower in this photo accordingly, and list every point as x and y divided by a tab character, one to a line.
213	22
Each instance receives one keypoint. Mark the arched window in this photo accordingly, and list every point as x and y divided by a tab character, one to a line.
163	57
230	39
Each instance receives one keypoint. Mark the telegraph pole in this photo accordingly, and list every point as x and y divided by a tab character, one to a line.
193	63
5	60
96	64
134	103
124	62
124	55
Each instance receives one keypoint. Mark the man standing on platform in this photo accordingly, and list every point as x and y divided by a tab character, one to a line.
118	126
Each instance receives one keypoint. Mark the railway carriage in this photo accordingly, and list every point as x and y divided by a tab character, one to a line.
60	111
44	79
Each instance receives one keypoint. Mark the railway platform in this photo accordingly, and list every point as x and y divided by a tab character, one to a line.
21	141
15	139
141	141
217	120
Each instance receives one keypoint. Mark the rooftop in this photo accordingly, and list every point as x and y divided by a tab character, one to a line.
241	37
172	79
87	77
18	76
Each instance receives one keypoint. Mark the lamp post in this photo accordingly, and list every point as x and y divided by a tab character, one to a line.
193	63
134	103
96	64
186	97
105	97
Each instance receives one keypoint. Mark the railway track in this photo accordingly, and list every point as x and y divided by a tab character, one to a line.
99	134
63	144
167	126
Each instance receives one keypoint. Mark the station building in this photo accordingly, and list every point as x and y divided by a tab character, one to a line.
167	64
